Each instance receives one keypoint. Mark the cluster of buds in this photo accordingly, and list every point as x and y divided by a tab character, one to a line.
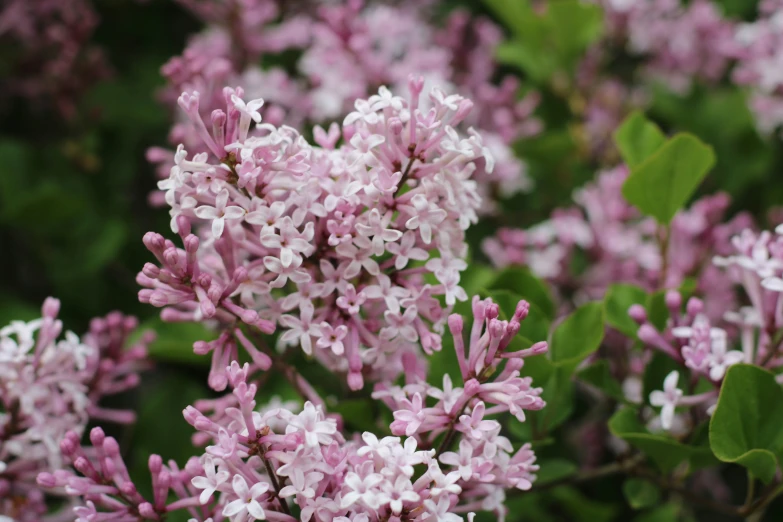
703	350
50	386
350	50
270	463
56	62
346	247
680	41
622	246
758	62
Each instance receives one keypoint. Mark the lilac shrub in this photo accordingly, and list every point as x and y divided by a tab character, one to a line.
319	216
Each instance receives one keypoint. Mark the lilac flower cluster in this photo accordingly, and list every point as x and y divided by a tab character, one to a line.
57	62
677	43
347	248
351	53
680	41
622	246
758	63
275	464
704	350
52	385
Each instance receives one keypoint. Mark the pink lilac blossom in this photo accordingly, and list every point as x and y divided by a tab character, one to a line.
607	101
622	246
676	42
51	385
759	63
268	464
680	42
691	340
353	51
56	63
757	264
354	243
248	25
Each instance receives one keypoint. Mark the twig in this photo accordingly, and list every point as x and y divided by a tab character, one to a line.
614	468
275	484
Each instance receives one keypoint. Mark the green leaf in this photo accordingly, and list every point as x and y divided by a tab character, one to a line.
581	508
174	341
518	15
574	26
665	513
598	375
105	246
746	427
664	182
523	283
358	414
638	138
476	278
548	42
559	396
688	288
160	427
663	450
641	493
579	335
555	469
657	311
617	301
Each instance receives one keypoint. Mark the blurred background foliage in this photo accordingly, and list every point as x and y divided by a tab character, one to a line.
73	204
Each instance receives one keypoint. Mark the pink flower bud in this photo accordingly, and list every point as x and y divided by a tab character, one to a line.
456	324
97	436
51	307
46	480
147	511
155	463
673	299
694	307
638	313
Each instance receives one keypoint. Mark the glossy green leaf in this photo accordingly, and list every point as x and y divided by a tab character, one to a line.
663	450
581	508
523	283
579	335
555	469
358	414
559	396
664	182
657	311
549	41
638	138
746	427
174	341
666	513
598	375
618	299
641	493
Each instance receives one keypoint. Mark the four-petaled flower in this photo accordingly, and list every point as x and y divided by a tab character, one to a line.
211	481
667	399
246	503
220	213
